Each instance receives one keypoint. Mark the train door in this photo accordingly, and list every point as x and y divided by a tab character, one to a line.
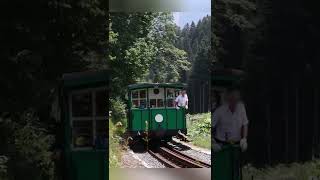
85	114
88	124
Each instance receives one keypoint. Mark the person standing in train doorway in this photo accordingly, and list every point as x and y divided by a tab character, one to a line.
230	129
182	100
230	122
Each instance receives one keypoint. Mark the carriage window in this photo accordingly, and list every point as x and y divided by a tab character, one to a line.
153	103
171	96
156	96
89	127
160	103
82	105
139	98
82	133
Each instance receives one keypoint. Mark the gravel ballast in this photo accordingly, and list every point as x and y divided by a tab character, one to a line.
150	160
191	152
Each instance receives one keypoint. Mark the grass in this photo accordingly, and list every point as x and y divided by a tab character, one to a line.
199	129
294	171
114	146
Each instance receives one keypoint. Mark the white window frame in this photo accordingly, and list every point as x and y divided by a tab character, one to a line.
93	118
163	99
139	99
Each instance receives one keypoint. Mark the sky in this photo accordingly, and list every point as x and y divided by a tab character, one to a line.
194	11
182	18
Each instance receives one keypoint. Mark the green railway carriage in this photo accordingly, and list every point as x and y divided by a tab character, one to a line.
83	110
152	110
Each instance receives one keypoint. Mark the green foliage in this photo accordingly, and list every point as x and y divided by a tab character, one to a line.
3	167
28	146
118	110
130	51
169	62
33	143
142	46
138	59
231	18
293	171
168	65
195	37
199	129
114	147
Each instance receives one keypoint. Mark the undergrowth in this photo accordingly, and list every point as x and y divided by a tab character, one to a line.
114	146
294	171
199	129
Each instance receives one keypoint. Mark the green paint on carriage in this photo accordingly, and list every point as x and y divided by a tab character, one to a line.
156	126
225	163
89	162
173	120
89	165
139	116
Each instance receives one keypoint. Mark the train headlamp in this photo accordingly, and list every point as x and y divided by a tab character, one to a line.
158	118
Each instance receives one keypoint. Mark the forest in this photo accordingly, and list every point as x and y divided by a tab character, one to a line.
151	48
79	36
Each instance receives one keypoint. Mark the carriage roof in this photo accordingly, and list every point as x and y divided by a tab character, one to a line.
156	85
87	78
227	77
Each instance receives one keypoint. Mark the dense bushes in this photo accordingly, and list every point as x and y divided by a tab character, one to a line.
199	129
28	149
3	167
118	110
294	171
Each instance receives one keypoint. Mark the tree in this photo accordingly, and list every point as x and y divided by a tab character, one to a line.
231	19
169	62
130	49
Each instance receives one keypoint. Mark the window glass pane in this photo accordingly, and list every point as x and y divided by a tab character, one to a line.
82	133
135	94
101	103
170	93
170	102
160	102
135	103
101	134
153	103
142	94
143	103
82	104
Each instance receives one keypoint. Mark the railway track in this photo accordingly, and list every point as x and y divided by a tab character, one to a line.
175	159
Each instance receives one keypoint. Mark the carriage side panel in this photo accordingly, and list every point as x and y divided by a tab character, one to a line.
172	118
158	125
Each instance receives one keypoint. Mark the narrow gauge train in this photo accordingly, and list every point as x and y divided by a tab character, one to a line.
152	111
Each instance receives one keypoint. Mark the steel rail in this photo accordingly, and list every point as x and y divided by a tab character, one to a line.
199	163
166	162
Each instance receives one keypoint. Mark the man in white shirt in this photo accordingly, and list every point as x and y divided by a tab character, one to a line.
230	122
182	100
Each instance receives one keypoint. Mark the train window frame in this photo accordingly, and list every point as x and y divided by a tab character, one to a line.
139	99
94	118
161	91
176	94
